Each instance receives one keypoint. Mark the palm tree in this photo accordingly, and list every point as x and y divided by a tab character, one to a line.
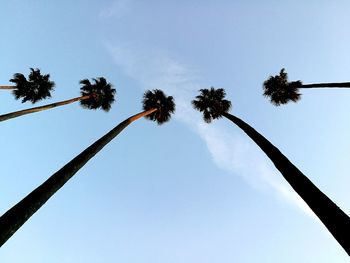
36	88
280	91
100	94
213	106
157	107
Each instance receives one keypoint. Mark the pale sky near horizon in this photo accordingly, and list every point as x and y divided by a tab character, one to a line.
185	191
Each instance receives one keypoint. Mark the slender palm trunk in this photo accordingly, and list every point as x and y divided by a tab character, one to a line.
326	85
15	114
336	221
7	87
16	216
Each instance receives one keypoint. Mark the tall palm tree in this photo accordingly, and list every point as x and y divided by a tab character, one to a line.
280	91
36	88
157	107
212	104
100	94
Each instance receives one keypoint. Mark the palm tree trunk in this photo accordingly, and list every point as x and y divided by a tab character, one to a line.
15	217
336	221
15	114
7	87
326	85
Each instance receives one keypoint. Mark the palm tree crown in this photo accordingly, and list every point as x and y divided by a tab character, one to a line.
156	99
279	90
36	88
101	94
211	103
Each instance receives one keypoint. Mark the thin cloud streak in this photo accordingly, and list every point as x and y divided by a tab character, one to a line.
116	9
230	151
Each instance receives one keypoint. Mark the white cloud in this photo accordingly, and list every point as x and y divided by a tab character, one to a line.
231	151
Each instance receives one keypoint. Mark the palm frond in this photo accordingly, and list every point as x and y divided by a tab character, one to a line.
101	94
36	88
212	103
165	105
85	82
279	90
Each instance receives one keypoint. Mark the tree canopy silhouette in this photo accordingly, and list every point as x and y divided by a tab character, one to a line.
33	89
280	91
156	99
153	102
99	95
211	104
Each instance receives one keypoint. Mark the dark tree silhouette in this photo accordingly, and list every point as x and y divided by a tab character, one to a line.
156	99
36	88
213	105
280	91
155	103
99	95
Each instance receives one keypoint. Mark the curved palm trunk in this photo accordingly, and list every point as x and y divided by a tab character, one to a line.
326	85
15	114
7	87
15	217
337	222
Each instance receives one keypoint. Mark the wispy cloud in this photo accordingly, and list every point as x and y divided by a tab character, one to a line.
115	9
231	151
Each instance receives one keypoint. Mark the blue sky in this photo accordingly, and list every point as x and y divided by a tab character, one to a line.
184	191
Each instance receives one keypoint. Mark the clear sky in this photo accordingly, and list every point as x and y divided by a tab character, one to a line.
185	191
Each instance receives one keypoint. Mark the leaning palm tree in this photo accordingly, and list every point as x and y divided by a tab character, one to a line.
99	95
157	107
280	91
33	89
212	104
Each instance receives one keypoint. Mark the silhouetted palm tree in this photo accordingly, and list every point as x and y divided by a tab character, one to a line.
36	88
280	91
93	96
213	106
157	107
